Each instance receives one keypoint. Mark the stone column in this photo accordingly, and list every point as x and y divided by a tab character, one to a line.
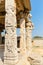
29	28
10	55
22	37
23	60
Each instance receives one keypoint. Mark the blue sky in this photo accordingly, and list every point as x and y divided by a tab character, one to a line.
37	17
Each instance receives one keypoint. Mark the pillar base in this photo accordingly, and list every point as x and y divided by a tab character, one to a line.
23	60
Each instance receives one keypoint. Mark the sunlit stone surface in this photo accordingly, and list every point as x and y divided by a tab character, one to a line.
29	28
16	11
10	55
23	37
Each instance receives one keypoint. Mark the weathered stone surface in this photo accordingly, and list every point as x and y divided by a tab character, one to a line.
23	37
29	37
10	55
23	61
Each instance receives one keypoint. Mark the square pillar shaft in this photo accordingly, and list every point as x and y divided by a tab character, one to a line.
10	54
29	37
22	37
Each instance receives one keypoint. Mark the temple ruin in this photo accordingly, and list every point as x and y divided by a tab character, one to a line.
16	14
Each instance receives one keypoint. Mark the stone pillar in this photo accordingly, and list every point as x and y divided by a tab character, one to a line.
22	37
10	54
29	28
23	60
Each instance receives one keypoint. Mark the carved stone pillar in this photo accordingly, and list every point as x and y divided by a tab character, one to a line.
10	55
22	37
29	27
23	60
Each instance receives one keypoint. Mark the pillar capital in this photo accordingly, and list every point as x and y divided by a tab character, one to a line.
20	16
29	24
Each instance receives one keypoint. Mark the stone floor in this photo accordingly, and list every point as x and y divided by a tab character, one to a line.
36	57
